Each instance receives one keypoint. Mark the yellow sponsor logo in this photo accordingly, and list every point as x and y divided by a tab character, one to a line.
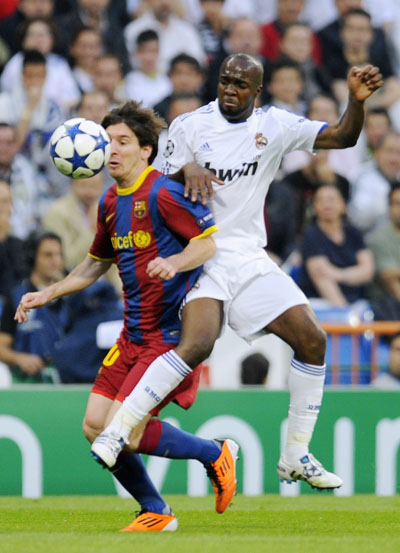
111	356
140	239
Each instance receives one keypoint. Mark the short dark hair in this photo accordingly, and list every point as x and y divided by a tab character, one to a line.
33	57
145	123
33	244
356	11
146	36
286	63
394	188
185	58
254	369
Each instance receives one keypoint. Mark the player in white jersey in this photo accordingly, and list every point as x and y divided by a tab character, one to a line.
233	151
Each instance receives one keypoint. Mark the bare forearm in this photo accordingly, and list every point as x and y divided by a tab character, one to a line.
329	289
195	254
80	278
391	282
345	134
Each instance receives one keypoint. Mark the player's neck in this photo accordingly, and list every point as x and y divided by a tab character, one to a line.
129	179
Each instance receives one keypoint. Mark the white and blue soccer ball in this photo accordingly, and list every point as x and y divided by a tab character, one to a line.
80	148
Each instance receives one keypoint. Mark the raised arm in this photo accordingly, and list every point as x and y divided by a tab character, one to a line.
81	277
362	82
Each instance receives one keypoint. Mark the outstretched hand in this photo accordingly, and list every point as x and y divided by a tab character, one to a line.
364	81
199	180
29	301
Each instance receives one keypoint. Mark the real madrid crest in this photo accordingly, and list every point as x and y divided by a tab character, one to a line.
261	141
139	209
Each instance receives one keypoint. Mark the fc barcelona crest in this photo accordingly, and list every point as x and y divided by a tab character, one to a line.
139	209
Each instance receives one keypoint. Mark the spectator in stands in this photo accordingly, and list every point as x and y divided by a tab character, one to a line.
28	349
176	35
85	48
108	78
186	76
384	243
357	36
336	261
243	35
377	123
285	87
93	105
26	10
18	172
303	184
74	218
343	162
390	380
146	84
288	13
106	17
40	34
372	183
279	217
12	251
254	370
35	117
212	27
296	45
331	40
179	103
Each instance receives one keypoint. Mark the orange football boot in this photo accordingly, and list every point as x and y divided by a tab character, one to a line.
222	474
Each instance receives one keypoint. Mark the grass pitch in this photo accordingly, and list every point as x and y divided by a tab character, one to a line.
273	524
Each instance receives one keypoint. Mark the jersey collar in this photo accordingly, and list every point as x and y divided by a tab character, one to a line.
137	184
249	119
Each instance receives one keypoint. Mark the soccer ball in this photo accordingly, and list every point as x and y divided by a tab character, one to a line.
80	148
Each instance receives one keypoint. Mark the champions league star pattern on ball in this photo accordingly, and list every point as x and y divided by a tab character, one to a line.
80	148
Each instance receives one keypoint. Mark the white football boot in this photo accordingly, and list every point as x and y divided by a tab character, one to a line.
106	448
310	470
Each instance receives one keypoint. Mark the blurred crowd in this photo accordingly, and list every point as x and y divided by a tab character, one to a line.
333	219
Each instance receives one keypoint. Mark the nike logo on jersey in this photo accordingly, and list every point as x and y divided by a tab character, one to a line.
232	174
205	147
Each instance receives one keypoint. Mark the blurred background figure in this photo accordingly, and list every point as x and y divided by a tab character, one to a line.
28	349
146	83
212	27
93	105
12	251
41	34
376	124
336	262
186	77
390	379
176	35
372	183
288	13
254	370
285	87
85	47
384	243
108	78
18	172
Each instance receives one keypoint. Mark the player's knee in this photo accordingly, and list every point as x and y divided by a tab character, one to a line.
197	351
90	430
314	346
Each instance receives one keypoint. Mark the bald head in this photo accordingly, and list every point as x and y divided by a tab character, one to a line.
240	81
246	64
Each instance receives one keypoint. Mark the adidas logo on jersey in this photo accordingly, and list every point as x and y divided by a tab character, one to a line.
205	147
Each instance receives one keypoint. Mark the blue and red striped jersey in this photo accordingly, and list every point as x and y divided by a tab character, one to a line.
135	225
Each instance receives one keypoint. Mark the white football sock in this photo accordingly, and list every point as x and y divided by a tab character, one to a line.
306	384
162	376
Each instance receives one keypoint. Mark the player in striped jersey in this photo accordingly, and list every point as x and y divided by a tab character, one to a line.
234	150
159	240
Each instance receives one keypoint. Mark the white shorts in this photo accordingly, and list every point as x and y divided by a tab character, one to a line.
255	292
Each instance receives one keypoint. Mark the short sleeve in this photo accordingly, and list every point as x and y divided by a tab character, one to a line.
101	248
188	219
177	152
298	132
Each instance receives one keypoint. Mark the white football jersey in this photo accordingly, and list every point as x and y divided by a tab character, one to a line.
246	156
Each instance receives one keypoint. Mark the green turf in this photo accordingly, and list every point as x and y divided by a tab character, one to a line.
307	524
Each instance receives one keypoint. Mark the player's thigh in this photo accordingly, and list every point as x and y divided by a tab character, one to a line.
262	300
97	410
